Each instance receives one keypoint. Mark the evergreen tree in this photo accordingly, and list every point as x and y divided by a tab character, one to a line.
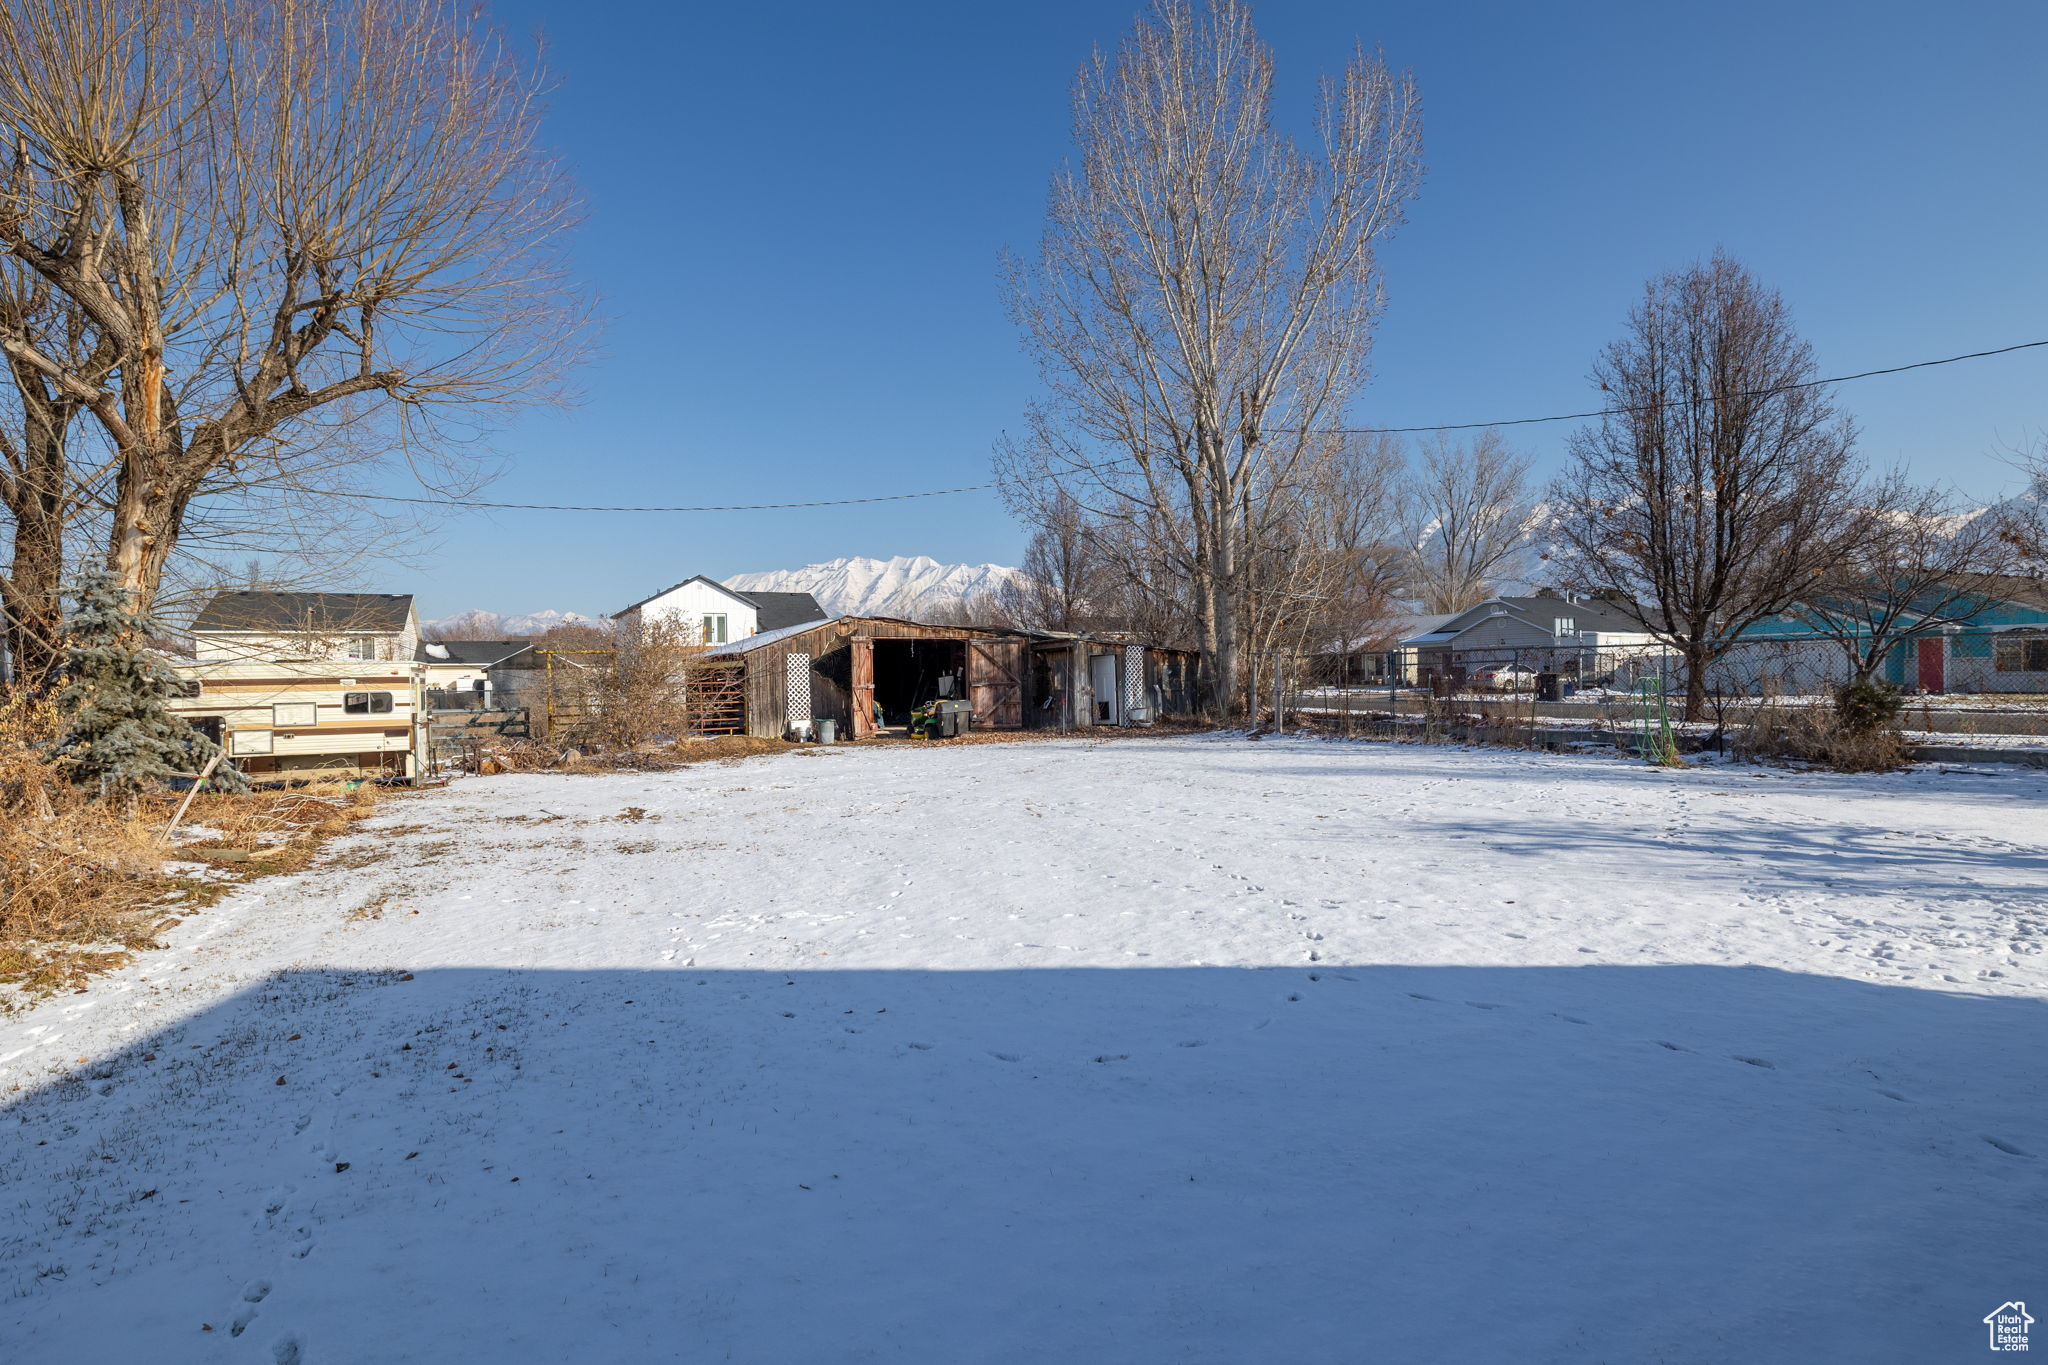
122	736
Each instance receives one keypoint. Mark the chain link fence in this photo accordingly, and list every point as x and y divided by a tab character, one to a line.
1975	691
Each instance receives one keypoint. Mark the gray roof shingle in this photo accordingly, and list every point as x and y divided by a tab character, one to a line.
313	612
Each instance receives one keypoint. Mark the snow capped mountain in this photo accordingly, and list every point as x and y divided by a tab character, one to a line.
903	586
477	624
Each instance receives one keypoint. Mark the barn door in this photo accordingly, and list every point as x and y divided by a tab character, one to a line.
863	686
995	683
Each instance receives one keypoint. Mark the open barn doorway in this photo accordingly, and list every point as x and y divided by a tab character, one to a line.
909	673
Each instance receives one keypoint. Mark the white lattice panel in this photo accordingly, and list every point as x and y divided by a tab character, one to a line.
798	688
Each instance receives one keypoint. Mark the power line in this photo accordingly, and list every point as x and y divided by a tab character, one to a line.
1674	402
1388	431
737	507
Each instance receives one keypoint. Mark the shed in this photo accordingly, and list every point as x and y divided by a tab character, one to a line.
847	668
1108	678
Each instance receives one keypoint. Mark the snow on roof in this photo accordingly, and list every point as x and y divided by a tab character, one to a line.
769	637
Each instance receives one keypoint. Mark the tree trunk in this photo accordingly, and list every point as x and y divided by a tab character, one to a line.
1697	657
32	596
39	497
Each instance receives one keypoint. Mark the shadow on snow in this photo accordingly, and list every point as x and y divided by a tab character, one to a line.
1324	1164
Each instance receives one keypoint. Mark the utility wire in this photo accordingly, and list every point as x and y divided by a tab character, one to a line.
1674	402
1347	431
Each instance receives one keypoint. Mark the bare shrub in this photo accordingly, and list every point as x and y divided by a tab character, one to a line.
1805	733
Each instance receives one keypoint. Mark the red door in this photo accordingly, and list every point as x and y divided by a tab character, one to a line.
1931	659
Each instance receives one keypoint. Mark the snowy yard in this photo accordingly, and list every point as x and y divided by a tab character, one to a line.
1156	1050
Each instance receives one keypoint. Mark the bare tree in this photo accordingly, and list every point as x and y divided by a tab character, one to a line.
2026	517
1917	560
1465	515
272	213
40	493
1063	585
1202	301
1718	491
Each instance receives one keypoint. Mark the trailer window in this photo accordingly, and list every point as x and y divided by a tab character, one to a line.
366	703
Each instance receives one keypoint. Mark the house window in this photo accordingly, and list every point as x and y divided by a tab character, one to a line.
714	630
362	647
366	703
2021	656
1564	625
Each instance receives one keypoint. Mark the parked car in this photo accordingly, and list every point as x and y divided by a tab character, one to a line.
1505	678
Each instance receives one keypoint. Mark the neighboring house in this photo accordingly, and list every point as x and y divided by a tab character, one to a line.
305	684
475	674
1993	642
1551	630
359	626
709	613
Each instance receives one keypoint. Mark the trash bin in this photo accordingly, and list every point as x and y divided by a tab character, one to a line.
1550	687
828	731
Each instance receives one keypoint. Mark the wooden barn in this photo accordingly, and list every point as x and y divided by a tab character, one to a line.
850	668
867	673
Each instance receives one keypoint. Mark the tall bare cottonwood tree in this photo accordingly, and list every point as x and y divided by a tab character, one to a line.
1716	492
1202	301
264	210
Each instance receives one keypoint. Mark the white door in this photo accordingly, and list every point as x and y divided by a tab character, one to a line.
1109	708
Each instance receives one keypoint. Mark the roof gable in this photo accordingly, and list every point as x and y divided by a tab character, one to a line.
312	613
742	598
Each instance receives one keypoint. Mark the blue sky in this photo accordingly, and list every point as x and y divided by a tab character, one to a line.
795	213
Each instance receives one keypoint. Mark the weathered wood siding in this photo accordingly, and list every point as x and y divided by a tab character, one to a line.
843	673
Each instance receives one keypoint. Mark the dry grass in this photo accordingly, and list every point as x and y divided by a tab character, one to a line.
1817	734
83	884
76	873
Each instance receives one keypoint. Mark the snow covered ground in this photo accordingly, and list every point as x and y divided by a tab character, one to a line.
1157	1050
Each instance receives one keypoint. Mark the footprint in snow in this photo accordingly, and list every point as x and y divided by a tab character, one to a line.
1758	1061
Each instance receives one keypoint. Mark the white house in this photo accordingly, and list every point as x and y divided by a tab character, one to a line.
307	626
709	613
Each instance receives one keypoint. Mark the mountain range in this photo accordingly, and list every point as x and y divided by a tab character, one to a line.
903	586
477	624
